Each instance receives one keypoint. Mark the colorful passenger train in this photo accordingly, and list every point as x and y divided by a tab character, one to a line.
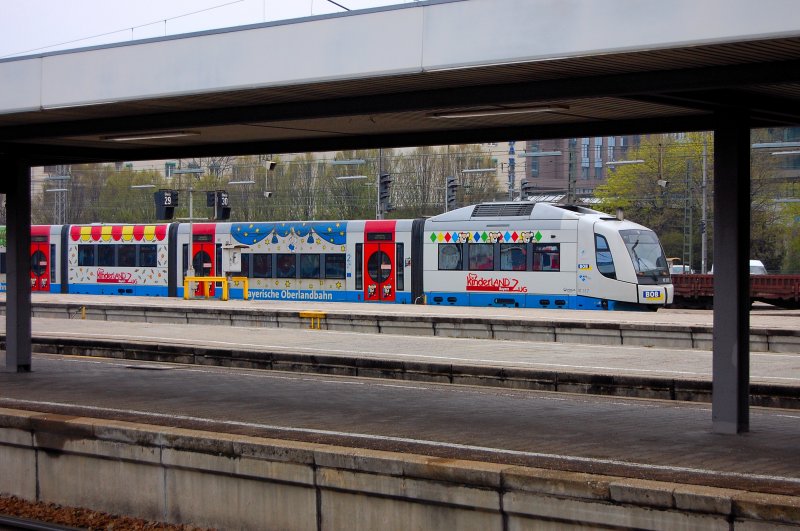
515	254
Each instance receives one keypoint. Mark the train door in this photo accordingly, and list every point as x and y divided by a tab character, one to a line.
380	281
203	255
40	261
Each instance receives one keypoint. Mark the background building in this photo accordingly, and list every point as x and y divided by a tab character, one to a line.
579	164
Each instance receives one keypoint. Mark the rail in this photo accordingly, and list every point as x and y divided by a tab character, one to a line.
11	522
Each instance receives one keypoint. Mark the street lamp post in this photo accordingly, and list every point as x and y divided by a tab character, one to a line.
378	206
486	170
688	218
358	162
60	199
704	207
245	193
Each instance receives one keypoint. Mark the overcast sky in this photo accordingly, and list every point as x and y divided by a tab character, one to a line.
38	26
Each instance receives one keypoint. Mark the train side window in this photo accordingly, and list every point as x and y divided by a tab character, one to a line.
400	267
450	257
52	263
3	263
262	265
105	255
481	257
309	266
148	257
605	262
286	266
546	257
245	272
126	256
359	266
86	255
335	265
513	257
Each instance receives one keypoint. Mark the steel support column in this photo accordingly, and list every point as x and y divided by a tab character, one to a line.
731	358
18	288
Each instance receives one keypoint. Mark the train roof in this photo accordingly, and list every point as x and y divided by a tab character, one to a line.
518	210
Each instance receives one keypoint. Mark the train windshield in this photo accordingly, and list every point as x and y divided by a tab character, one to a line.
646	253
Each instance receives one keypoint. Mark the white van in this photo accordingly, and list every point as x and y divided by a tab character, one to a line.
756	268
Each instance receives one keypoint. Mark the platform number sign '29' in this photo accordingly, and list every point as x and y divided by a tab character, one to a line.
166	201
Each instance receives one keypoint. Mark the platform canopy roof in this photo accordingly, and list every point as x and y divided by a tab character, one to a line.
427	73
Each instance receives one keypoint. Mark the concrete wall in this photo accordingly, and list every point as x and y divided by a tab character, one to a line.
497	327
239	482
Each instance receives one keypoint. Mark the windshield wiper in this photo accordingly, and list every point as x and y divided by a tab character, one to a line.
639	261
641	265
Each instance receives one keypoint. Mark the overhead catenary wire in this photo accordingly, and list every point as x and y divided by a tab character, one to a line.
338	5
131	29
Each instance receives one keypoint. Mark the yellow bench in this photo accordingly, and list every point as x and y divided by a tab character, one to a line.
315	317
207	281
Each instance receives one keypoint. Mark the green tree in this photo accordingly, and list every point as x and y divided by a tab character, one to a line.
664	190
791	220
418	185
121	203
421	177
655	192
770	223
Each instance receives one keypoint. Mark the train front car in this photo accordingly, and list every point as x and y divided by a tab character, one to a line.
629	270
541	255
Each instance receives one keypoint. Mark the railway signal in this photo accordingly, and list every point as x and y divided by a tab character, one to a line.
526	187
451	187
384	189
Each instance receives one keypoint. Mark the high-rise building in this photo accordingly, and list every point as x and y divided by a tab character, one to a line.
576	165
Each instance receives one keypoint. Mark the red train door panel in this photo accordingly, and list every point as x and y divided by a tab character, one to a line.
379	261
40	262
204	252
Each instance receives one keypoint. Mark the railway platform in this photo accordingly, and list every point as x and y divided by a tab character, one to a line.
253	449
649	355
772	329
244	449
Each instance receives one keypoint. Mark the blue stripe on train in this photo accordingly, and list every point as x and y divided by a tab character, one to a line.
521	300
117	289
502	299
54	288
307	295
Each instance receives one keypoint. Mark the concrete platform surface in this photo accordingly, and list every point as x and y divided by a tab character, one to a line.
646	439
618	370
771	330
658	449
762	316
